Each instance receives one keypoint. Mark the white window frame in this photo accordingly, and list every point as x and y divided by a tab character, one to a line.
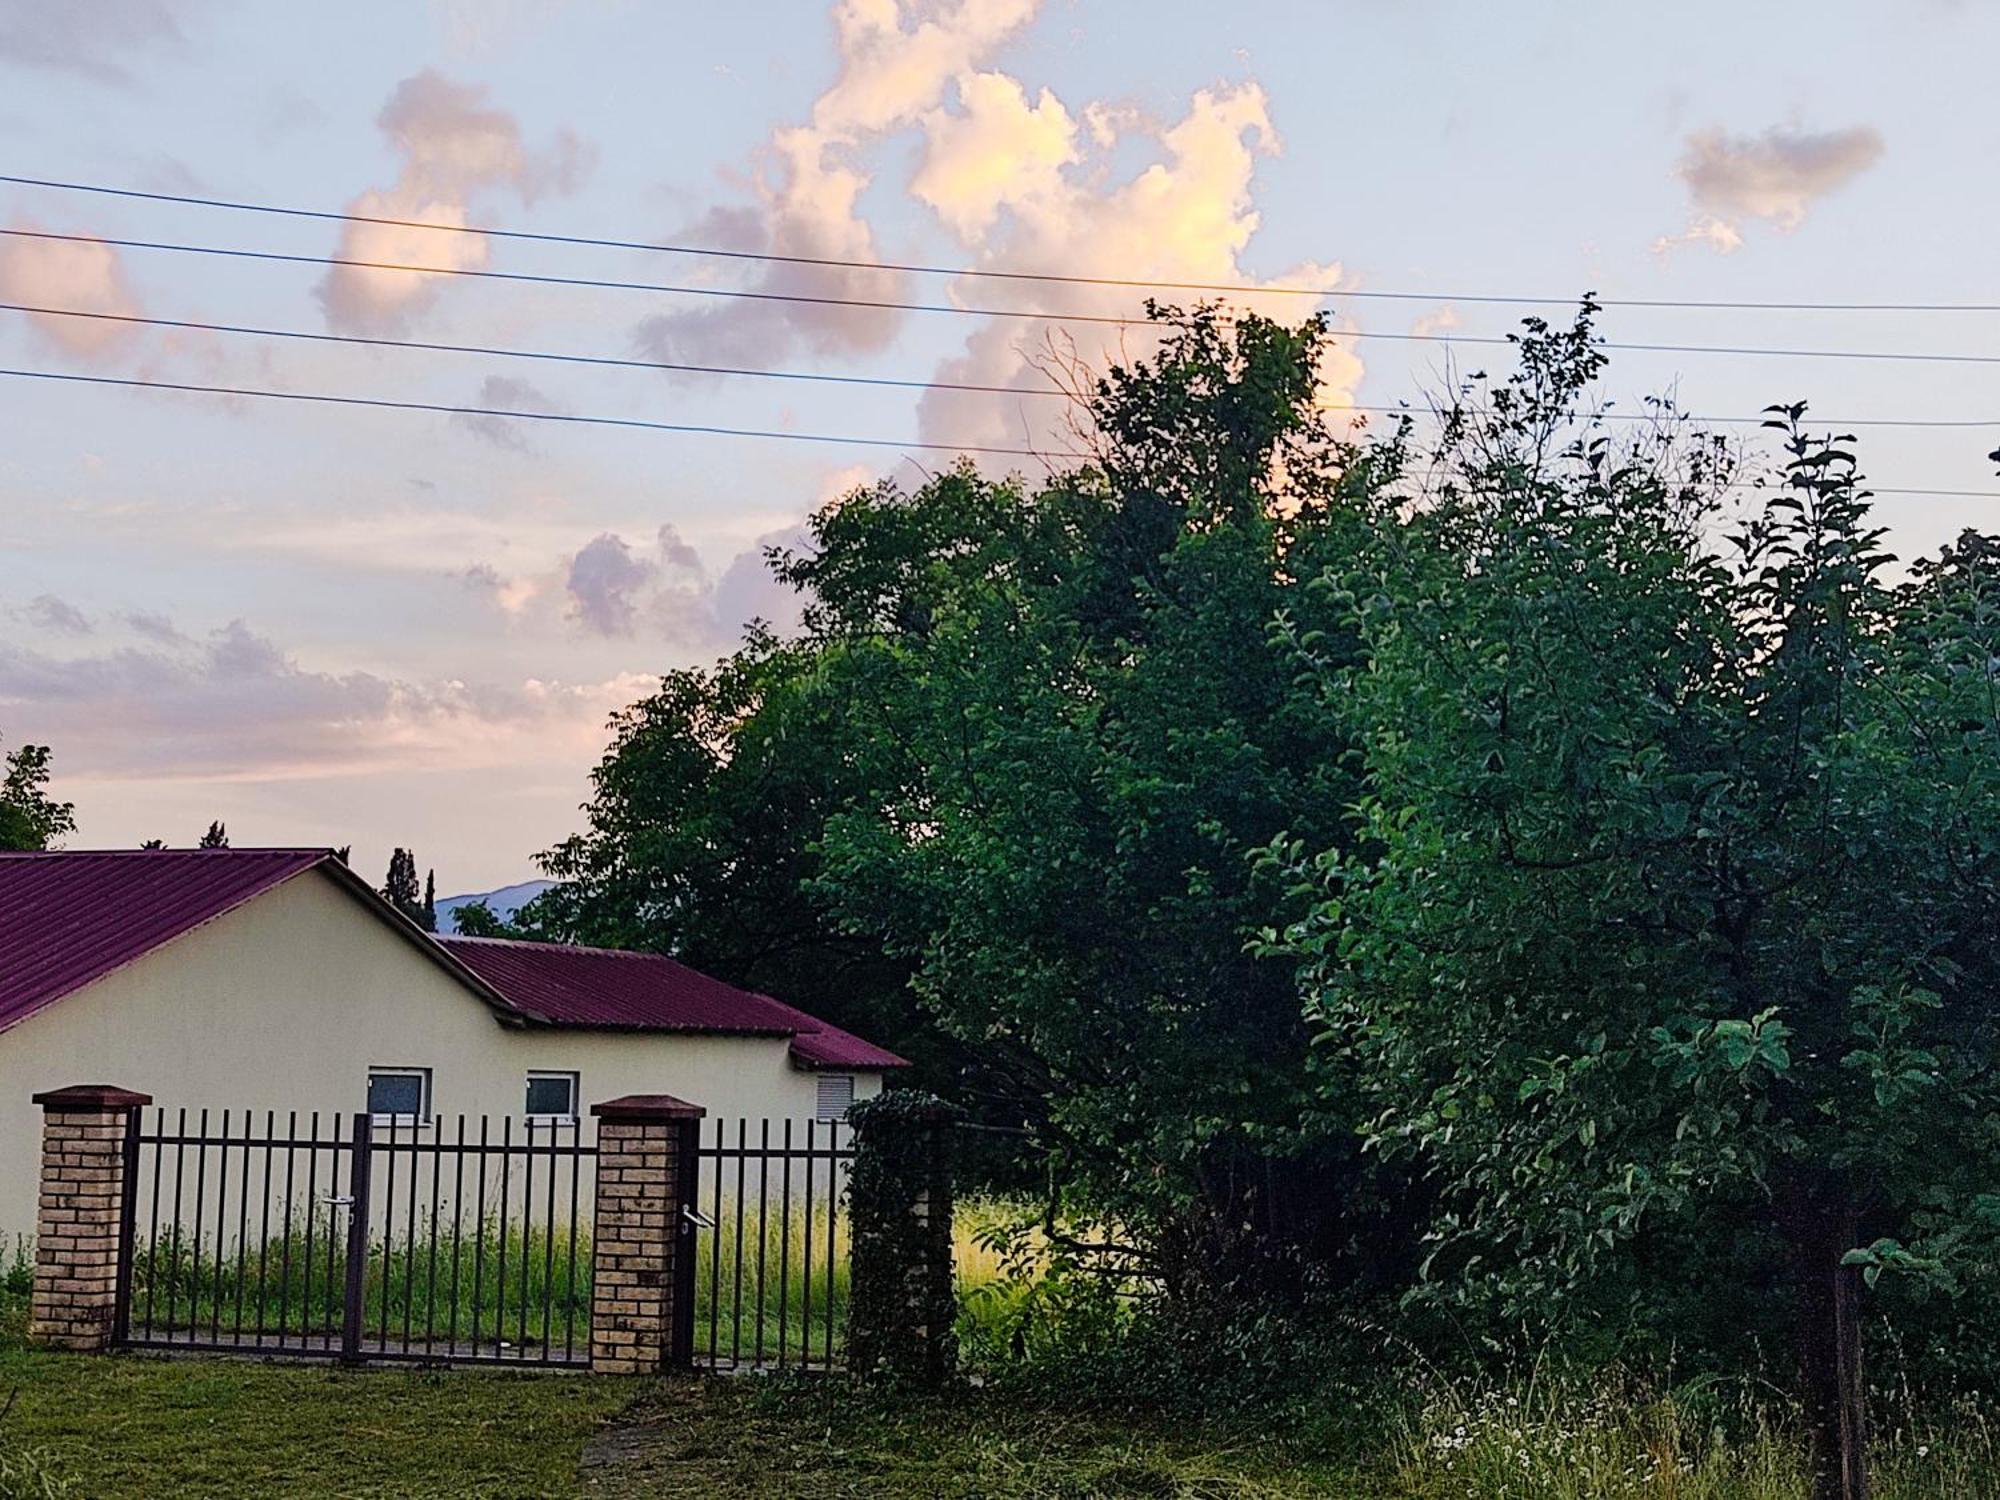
819	1097
420	1120
575	1081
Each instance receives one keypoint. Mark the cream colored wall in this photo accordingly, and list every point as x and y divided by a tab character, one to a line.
286	1002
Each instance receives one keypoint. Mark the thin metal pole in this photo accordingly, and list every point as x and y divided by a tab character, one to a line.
174	1246
333	1171
832	1213
311	1309
264	1227
763	1225
479	1239
457	1225
153	1227
360	1169
736	1312
195	1277
431	1278
715	1258
388	1236
500	1277
527	1231
785	1245
221	1228
285	1256
128	1219
575	1192
243	1226
410	1238
549	1244
806	1255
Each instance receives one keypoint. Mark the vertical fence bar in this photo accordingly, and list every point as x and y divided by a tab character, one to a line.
500	1276
479	1240
527	1229
736	1311
334	1153
285	1255
410	1235
128	1228
221	1227
200	1200
806	1255
715	1258
243	1226
431	1275
388	1236
153	1215
264	1227
763	1226
310	1307
832	1214
575	1189
549	1245
785	1245
457	1227
174	1242
359	1170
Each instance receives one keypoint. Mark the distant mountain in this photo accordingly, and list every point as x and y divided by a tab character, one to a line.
505	901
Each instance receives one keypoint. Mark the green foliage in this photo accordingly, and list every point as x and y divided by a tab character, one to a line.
400	890
217	837
703	842
477	919
902	1303
29	818
1673	917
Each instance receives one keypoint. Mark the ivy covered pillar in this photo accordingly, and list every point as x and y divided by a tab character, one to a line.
902	1302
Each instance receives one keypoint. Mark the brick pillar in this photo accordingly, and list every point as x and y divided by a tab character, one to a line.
82	1216
642	1285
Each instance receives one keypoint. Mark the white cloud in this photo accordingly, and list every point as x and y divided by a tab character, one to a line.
1775	177
455	146
82	275
613	586
809	183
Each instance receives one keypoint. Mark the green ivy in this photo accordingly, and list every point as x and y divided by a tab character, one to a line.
902	1305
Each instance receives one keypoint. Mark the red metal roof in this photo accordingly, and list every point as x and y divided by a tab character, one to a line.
67	919
613	989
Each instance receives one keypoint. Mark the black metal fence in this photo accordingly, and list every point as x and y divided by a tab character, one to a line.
463	1241
770	1265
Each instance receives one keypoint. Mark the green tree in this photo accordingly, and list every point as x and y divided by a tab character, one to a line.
217	837
427	914
400	888
477	919
1072	731
702	843
1675	910
29	817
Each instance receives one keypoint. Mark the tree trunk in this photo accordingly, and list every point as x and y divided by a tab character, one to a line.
1828	1339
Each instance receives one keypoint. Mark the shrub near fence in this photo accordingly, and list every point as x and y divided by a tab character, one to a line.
903	1306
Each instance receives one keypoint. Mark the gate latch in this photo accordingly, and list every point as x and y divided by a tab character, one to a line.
696	1217
333	1201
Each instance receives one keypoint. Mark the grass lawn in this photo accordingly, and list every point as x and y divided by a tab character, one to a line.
139	1426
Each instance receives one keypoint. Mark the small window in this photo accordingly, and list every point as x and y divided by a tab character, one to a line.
836	1096
399	1095
552	1096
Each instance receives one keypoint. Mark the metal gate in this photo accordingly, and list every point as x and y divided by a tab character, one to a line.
358	1237
770	1262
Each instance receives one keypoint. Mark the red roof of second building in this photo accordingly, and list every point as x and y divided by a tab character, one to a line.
68	919
615	989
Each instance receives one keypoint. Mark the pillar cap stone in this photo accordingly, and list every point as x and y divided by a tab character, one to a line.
647	1107
81	1096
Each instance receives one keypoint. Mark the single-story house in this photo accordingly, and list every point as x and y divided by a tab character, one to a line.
277	979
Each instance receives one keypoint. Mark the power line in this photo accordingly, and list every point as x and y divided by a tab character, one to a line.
233	253
978	272
699	429
703	429
892	382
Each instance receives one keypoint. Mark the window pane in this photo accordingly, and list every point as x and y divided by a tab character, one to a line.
552	1094
836	1095
395	1094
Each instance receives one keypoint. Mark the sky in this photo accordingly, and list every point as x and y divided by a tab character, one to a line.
336	625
